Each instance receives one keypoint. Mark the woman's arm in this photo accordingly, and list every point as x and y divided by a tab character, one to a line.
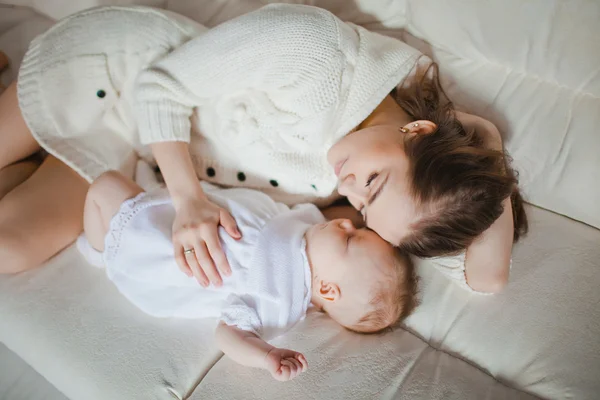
177	169
487	261
247	349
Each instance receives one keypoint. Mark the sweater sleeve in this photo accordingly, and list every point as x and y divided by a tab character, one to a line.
271	50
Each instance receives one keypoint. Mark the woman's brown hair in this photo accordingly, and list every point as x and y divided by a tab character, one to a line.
458	184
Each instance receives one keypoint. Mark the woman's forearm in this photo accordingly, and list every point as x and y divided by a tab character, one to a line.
178	171
487	262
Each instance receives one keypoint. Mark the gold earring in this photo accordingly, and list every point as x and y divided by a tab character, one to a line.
403	130
415	124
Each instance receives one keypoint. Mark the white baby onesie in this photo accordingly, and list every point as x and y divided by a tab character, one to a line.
269	289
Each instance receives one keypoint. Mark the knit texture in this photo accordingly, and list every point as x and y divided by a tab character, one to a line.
75	85
273	90
260	98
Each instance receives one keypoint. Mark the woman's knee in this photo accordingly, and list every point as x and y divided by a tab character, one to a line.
15	174
16	140
40	217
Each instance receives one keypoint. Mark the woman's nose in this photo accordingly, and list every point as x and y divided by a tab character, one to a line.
350	188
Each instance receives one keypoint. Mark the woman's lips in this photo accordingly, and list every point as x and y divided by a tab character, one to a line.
338	167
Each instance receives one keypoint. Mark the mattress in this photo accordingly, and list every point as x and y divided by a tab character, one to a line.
539	337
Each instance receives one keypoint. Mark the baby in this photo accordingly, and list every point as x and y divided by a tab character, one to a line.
285	260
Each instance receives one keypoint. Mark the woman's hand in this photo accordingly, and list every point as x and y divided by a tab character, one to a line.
285	365
196	241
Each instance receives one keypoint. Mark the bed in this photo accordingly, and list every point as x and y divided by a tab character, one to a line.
531	67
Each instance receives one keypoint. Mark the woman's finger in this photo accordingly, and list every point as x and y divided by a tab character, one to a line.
180	259
190	259
227	222
206	264
217	254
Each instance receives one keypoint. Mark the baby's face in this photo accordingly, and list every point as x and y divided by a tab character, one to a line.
354	260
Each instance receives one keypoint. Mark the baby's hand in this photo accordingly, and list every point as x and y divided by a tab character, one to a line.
285	365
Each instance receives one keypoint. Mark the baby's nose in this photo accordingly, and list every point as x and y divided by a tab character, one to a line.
347	225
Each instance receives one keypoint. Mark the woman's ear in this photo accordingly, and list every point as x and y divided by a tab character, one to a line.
421	126
329	291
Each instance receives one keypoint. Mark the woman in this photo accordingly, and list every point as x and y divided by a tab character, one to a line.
287	99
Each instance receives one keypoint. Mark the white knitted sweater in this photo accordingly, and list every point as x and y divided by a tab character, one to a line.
260	98
272	90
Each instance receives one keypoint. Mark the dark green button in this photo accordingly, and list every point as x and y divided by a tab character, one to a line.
314	187
210	171
273	183
241	176
101	93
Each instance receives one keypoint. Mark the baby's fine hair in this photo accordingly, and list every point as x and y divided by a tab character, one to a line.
393	300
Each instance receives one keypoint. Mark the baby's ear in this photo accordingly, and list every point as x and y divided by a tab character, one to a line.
329	291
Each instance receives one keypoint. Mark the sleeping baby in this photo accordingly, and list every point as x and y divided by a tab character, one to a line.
285	260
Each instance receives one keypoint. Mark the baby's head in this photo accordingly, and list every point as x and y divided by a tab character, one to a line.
358	278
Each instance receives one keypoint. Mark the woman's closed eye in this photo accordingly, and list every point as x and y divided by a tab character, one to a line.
371	178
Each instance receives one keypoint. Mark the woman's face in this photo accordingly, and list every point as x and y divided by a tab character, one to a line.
372	170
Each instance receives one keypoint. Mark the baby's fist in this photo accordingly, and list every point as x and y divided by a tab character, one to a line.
285	365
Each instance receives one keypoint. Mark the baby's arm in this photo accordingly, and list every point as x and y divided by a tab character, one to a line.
104	198
247	349
487	262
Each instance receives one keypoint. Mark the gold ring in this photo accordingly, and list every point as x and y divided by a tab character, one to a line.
188	251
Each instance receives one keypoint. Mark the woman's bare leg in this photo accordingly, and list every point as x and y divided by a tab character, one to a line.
41	216
41	209
15	174
16	141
